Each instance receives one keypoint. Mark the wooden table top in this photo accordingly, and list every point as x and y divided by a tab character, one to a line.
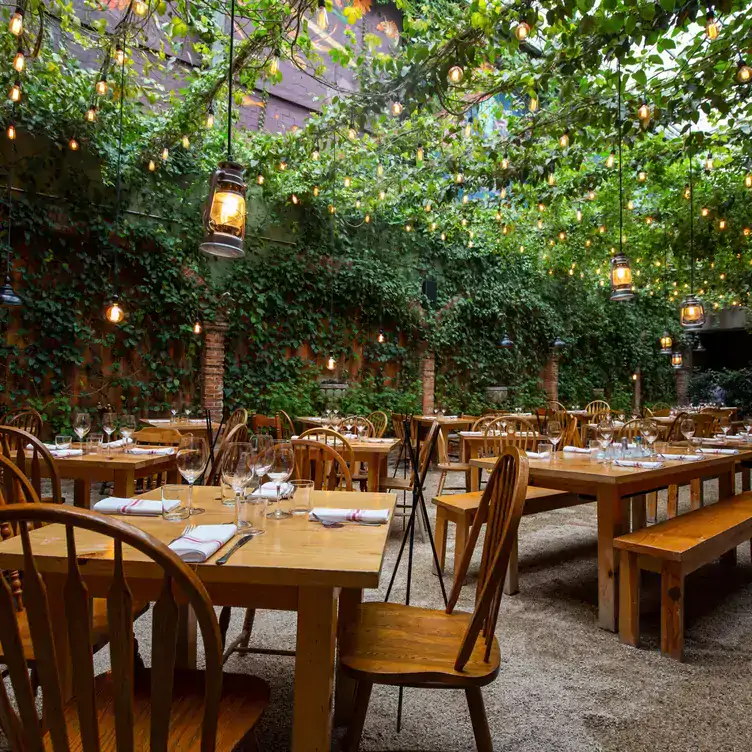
382	446
444	420
179	425
293	551
580	468
115	460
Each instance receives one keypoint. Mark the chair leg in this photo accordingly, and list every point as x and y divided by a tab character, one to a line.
442	525
512	581
250	615
224	623
461	532
355	729
478	717
442	481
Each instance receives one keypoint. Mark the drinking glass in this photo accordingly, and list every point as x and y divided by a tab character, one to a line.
546	446
605	433
688	430
724	424
173	413
263	448
191	460
81	425
187	410
283	463
594	444
108	424
649	431
171	493
748	425
302	496
127	428
554	435
62	442
237	471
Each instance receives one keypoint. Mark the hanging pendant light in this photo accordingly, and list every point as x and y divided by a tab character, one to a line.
381	338
611	160
274	62
743	72
140	8
19	61
14	93
210	117
11	132
621	271
197	328
677	360
712	27
522	30
15	25
225	216
667	343
455	74
692	312
506	342
322	17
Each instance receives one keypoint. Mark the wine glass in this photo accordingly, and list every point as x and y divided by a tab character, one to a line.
81	425
283	463
748	425
108	425
263	449
649	431
724	424
187	410
127	427
605	433
191	460
554	434
174	412
688	429
237	471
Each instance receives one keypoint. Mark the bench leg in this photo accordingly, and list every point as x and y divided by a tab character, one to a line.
672	505
638	512
512	582
729	558
672	610
746	472
696	493
629	599
652	504
442	525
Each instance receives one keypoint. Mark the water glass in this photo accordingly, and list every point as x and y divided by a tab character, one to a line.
191	458
301	500
63	442
688	429
546	446
596	453
93	444
283	464
251	513
171	494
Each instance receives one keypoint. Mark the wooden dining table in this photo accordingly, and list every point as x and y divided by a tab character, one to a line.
612	486
296	566
195	426
375	452
116	467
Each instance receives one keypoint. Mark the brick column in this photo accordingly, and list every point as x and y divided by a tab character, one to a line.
428	382
549	377
213	367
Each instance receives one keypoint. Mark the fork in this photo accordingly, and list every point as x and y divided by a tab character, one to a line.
188	529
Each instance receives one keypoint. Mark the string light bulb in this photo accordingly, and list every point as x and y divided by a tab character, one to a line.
540	224
522	30
322	17
465	199
591	195
101	86
382	194
551	179
332	209
14	93
397	108
331	363
260	179
408	227
722	224
210	117
455	74
274	63
564	139
15	25
282	164
534	104
357	203
642	176
611	160
467	129
630	204
316	190
748	180
505	162
316	154
709	164
11	132
541	206
381	338
119	55
743	72
140	8
165	154
459	178
294	198
114	314
443	236
152	165
687	192
186	142
73	144
19	61
643	112
712	27
579	215
419	153
352	132
367	218
380	169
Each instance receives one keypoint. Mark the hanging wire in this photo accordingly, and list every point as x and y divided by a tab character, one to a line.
691	216
119	181
229	82
619	128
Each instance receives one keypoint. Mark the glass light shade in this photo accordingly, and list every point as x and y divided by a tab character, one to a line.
322	17
712	28
19	61
667	342
352	134
642	176
534	104
119	55
315	155
225	216
114	313
419	153
621	278
506	342
564	140
743	73
186	142
397	109
73	144
456	74
367	218
579	215
294	199
692	314
8	296
381	337
140	7
611	160
14	94
11	132
643	112
210	119
748	180
551	179
459	178
165	154
522	31
274	64
331	363
102	87
347	181
197	328
91	114
677	360
505	163
15	26
152	165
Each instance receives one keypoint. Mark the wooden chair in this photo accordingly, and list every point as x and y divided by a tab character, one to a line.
595	418
271	424
28	420
153	436
630	430
480	423
322	464
597	406
288	426
238	418
332	439
571	435
13	443
160	708
398	425
238	433
446	465
379	420
508	431
660	406
455	650
556	406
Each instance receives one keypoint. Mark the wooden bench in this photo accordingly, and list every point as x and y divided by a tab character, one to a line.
675	548
461	508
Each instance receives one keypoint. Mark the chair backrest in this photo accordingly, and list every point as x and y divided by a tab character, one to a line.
596	418
571	435
664	413
238	433
480	423
500	510
288	427
674	432
630	429
597	406
398	424
155	435
706	424
267	424
379	420
555	406
358	422
660	406
13	445
239	417
28	420
322	464
22	726
508	430
331	438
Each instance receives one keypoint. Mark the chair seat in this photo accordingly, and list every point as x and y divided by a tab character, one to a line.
244	699
99	626
454	467
396	484
537	499
390	643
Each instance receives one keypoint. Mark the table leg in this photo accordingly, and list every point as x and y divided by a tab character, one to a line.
638	513
314	670
125	484
187	644
610	521
727	483
349	601
374	472
82	493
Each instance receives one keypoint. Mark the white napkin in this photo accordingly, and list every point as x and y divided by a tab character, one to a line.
51	447
59	454
269	491
202	542
729	438
138	507
471	433
539	455
685	457
637	463
152	450
579	450
159	420
712	450
324	514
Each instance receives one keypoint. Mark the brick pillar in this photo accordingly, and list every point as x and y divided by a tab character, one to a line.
549	377
428	382
213	367
682	386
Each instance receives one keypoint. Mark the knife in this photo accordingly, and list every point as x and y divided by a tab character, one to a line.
241	542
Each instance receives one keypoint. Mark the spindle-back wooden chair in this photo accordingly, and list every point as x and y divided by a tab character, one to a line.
28	419
322	464
379	420
271	424
36	462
